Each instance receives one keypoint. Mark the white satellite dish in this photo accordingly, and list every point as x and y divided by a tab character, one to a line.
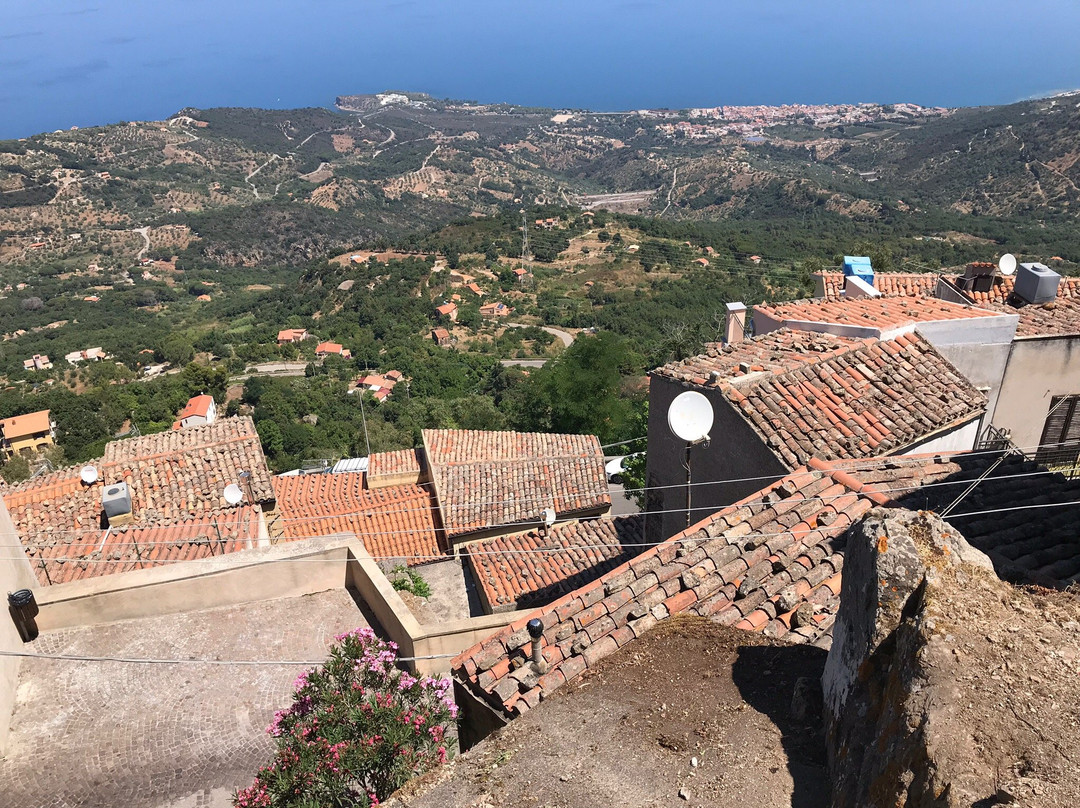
233	494
1007	264
548	516
88	474
690	417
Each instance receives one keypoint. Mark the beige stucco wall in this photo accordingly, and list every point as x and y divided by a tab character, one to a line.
283	570
15	573
1037	370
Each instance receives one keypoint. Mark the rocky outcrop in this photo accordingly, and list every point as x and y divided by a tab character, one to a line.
946	686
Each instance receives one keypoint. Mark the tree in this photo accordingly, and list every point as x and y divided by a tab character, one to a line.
178	350
358	729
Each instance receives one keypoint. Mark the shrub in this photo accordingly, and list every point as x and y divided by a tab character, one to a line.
403	578
357	730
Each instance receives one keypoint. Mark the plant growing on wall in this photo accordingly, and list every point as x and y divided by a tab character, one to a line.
358	729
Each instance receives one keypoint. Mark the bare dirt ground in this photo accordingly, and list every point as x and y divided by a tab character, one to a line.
692	714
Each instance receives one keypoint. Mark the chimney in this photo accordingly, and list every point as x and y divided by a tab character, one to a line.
856	287
736	323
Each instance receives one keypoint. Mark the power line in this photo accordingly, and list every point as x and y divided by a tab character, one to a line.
557	549
239	526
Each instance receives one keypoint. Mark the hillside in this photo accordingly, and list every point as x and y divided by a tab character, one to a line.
259	187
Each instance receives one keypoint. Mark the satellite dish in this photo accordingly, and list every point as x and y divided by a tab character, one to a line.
88	474
690	417
548	516
233	494
1007	264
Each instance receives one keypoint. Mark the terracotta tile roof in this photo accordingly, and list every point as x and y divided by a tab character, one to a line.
775	352
173	477
533	568
393	522
22	425
772	563
843	398
446	308
135	547
890	284
403	461
879	315
492	479
329	348
1027	544
1059	318
197	405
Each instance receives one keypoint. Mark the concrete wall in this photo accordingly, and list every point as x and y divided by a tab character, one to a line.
15	573
250	576
958	439
977	347
735	452
1038	369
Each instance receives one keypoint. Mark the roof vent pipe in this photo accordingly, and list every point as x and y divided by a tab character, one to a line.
536	631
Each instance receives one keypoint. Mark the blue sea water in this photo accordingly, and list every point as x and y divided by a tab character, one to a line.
84	62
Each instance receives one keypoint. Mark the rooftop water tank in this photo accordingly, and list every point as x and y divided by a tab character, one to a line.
1036	283
858	266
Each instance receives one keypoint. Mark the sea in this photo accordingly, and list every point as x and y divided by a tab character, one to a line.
67	63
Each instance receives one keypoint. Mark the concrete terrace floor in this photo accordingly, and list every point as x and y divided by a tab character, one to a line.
161	736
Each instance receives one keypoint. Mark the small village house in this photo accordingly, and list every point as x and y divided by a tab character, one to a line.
290	335
449	310
37	362
332	349
441	337
26	434
198	411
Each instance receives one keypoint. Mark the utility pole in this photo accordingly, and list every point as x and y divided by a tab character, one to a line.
524	239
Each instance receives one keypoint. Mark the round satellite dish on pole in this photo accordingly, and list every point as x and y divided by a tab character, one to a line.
1007	264
88	474
548	516
690	417
233	494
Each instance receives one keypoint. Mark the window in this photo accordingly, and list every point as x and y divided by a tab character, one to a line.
1060	443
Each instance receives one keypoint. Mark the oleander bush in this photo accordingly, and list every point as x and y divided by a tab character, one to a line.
358	729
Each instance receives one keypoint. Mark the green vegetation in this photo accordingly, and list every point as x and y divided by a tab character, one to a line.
404	579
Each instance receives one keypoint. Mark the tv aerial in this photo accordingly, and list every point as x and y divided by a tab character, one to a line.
1007	264
233	494
88	474
690	417
548	515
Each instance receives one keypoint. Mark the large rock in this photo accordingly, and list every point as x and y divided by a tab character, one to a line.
945	686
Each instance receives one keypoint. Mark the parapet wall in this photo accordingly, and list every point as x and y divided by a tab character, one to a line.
15	573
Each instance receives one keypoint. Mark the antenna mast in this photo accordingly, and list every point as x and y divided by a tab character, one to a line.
524	239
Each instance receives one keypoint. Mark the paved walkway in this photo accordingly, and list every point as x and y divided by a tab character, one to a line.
114	734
